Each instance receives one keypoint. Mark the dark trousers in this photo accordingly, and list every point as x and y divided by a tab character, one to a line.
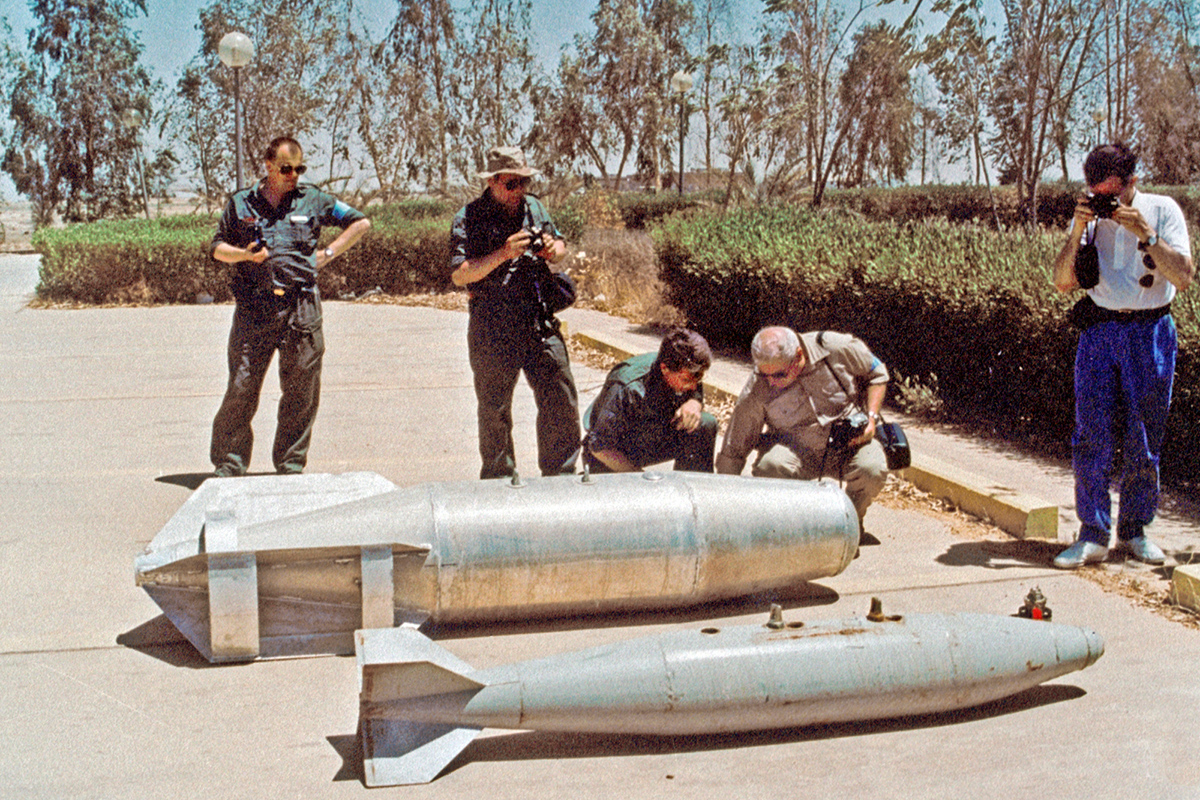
1124	373
692	451
253	340
498	356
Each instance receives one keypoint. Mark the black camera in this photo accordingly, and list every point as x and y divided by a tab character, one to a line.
259	240
1102	205
538	242
845	430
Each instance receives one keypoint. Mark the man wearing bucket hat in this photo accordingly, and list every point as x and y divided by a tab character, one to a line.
501	244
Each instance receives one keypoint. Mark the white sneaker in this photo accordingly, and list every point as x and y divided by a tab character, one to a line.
1081	553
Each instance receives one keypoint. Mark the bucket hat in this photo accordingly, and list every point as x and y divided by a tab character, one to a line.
508	160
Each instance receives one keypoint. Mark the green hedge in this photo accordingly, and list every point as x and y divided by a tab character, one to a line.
971	306
162	261
167	260
1056	203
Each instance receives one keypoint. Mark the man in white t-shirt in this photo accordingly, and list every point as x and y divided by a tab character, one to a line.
1125	362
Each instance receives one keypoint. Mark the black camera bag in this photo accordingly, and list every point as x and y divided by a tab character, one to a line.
558	292
1087	263
895	444
889	434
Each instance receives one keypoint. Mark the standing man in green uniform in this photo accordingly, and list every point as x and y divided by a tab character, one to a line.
500	246
269	232
650	410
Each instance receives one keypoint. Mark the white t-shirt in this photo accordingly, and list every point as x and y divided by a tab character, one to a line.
1121	263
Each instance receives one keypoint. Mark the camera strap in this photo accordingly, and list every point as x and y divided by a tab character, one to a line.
853	398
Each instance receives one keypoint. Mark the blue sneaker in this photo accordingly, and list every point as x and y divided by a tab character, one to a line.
1080	553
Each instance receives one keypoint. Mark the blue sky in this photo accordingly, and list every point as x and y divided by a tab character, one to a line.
170	38
169	33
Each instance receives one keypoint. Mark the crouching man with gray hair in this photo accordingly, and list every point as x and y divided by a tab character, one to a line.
801	410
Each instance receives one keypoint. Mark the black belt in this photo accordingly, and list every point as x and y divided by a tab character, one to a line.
1141	314
1085	313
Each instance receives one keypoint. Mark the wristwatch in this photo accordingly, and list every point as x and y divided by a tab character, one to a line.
873	415
1146	245
328	252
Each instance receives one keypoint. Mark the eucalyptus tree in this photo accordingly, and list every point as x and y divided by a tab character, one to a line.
418	52
497	90
876	94
959	58
68	150
283	88
197	126
1045	61
637	46
573	132
744	107
714	26
1166	93
813	116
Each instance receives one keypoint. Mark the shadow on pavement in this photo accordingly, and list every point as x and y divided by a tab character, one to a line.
159	638
192	480
349	747
188	480
1000	555
538	745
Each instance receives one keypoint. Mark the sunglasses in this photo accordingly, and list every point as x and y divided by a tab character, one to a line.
1147	280
512	183
287	169
779	373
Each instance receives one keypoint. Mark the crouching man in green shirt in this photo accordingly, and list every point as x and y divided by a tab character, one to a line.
650	410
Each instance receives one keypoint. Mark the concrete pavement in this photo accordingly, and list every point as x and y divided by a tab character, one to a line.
105	425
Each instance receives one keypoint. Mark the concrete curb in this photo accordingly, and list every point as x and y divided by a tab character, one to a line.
1185	586
1020	515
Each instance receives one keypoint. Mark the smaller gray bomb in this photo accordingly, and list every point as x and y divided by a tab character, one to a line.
420	705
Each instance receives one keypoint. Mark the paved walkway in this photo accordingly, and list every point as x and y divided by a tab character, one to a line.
103	434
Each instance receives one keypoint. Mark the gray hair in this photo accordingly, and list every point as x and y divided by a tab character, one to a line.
776	343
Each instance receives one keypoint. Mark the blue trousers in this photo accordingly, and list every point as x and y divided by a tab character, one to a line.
1123	377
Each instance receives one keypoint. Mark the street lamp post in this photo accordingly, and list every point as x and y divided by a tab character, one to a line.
132	118
1099	115
681	82
236	50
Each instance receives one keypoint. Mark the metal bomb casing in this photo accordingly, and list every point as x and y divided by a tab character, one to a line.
420	705
276	566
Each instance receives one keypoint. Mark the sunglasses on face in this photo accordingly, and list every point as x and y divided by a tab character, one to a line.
512	183
779	373
287	169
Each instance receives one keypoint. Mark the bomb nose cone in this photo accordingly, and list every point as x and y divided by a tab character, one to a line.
1078	648
1095	646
